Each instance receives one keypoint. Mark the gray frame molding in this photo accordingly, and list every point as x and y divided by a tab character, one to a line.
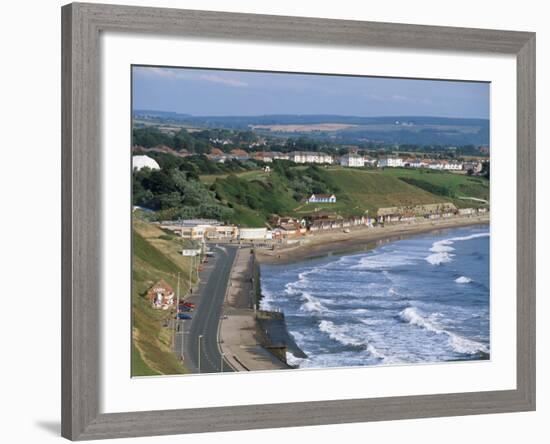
81	25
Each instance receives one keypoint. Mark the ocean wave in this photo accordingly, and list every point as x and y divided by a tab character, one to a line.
338	334
442	249
382	261
470	237
359	311
463	280
293	360
290	290
267	300
312	304
458	343
369	321
466	346
439	258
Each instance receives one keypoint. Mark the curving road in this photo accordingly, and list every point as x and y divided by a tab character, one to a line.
206	317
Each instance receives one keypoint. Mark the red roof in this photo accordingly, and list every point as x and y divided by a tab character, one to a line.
239	152
216	152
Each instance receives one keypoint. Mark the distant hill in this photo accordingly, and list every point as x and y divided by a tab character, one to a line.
422	130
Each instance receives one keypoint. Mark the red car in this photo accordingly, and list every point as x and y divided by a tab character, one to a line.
188	304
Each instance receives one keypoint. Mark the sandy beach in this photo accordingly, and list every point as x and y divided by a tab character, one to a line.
360	239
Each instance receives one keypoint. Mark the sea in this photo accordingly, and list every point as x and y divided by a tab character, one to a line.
423	299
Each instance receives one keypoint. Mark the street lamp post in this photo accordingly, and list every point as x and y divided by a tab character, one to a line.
182	340
177	308
199	358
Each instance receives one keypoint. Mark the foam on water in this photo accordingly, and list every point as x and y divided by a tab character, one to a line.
442	249
341	334
442	257
389	305
338	334
457	342
312	304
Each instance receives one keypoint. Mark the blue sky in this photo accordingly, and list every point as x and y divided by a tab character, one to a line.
223	93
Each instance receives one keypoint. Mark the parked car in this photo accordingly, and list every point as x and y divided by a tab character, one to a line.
184	308
184	316
188	304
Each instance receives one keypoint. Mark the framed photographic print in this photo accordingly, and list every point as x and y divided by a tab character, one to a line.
292	221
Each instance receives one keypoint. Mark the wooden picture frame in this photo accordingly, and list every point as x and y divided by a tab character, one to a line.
81	26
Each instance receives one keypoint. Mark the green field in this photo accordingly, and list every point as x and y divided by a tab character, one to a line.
156	255
366	189
455	187
249	175
255	195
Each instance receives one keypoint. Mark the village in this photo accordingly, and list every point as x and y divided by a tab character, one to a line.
352	159
283	230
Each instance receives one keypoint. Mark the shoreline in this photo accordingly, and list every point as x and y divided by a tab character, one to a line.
359	239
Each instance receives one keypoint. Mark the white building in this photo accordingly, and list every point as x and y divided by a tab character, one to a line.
310	157
436	165
202	229
415	163
352	160
452	165
252	234
321	198
391	162
140	162
280	156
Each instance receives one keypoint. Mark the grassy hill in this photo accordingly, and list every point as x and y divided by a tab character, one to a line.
156	255
454	187
255	195
361	190
254	198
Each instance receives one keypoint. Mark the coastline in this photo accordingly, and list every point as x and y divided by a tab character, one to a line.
338	242
241	333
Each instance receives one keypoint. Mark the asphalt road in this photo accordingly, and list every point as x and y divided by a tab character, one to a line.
206	317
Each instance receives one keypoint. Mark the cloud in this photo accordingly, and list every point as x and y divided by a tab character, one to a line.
163	72
182	74
399	98
214	78
406	99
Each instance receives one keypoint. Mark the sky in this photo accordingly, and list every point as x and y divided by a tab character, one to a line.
203	92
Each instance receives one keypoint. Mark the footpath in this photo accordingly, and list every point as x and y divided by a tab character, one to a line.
239	334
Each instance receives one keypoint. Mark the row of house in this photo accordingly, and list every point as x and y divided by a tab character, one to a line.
433	164
218	155
350	160
288	227
279	228
428	211
326	221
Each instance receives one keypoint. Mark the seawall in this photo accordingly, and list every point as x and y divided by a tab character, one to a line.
244	341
